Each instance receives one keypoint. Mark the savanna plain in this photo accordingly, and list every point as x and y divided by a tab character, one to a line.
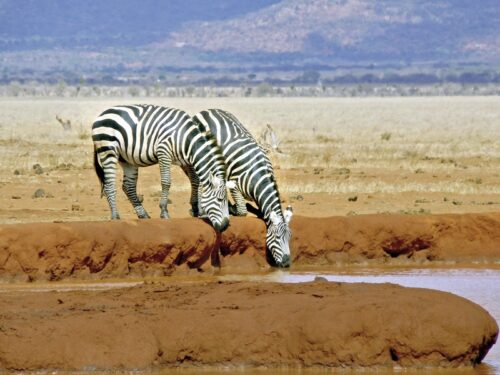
335	156
402	157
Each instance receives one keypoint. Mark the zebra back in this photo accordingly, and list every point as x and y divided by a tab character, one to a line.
139	133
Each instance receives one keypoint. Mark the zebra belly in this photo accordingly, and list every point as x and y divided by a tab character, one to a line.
136	161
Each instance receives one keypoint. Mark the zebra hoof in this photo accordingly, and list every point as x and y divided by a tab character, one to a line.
164	215
145	216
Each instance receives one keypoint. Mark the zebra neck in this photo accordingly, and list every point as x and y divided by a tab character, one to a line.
205	159
269	203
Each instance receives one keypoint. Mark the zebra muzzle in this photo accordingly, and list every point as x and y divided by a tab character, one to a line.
222	226
285	262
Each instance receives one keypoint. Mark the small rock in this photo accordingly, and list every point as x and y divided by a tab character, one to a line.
17	172
75	207
422	201
39	193
342	171
353	199
320	279
37	168
16	197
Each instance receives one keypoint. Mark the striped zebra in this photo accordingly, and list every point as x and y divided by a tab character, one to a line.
249	167
142	135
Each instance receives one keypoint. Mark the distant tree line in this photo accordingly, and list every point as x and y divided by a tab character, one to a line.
217	79
263	89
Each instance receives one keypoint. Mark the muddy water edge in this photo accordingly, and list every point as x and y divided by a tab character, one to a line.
480	285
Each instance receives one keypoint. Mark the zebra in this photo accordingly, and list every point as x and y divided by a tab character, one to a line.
142	135
252	172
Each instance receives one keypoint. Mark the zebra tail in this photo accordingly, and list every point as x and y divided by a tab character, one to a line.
99	171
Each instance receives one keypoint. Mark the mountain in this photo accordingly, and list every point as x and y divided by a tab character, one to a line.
75	38
33	24
354	29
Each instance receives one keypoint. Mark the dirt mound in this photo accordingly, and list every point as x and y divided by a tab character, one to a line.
242	323
397	239
54	251
103	249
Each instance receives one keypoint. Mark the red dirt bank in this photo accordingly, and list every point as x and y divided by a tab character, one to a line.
41	251
243	323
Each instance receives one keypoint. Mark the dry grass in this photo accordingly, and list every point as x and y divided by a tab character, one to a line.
335	146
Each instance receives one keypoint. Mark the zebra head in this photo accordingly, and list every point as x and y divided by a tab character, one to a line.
278	237
213	202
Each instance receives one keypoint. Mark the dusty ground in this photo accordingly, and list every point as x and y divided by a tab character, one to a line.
340	156
404	156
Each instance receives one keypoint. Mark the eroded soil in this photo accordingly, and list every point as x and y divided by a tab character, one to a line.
242	323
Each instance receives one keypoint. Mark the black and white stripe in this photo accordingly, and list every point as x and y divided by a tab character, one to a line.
141	135
249	167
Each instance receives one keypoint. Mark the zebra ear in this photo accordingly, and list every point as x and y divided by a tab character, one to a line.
214	180
231	184
275	219
288	214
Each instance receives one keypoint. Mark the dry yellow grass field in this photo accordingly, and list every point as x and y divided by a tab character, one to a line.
339	156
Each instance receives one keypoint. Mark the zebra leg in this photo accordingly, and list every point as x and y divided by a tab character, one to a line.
239	207
109	164
165	161
129	186
195	183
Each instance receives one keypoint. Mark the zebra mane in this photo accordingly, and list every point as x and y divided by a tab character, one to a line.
209	136
275	183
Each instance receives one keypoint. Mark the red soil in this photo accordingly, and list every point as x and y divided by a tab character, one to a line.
220	323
